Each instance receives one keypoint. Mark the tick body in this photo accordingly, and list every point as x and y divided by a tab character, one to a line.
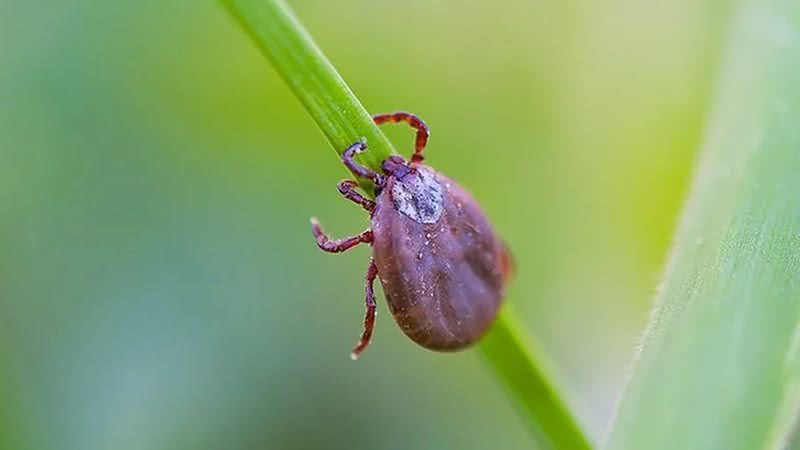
442	267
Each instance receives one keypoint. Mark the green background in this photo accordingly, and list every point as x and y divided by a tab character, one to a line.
159	286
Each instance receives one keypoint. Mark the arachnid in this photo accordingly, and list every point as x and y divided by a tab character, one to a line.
442	268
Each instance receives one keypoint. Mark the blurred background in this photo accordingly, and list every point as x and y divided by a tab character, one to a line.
159	286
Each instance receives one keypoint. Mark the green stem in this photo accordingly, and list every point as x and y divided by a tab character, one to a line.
341	117
527	373
312	78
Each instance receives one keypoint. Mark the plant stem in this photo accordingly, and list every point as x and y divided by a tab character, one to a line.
312	78
527	373
720	362
341	117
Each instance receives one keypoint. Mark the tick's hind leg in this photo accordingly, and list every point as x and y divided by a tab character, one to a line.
369	318
348	189
423	132
337	245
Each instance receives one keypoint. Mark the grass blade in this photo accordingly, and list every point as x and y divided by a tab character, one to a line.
720	363
343	120
527	372
311	77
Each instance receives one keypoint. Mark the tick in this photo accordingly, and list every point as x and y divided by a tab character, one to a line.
442	267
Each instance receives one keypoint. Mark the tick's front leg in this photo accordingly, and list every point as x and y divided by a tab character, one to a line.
337	245
423	132
369	318
348	158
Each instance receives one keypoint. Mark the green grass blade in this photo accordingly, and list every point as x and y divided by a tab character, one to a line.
719	367
343	120
313	79
527	372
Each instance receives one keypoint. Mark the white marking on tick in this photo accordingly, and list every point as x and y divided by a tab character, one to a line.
419	196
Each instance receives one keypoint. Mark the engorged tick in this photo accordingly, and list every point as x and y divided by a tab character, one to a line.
442	268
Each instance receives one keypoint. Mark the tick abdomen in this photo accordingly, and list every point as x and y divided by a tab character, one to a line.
437	260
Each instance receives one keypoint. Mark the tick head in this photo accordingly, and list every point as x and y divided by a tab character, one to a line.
395	166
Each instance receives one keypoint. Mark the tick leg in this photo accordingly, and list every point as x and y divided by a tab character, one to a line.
369	318
357	169
337	245
423	132
348	189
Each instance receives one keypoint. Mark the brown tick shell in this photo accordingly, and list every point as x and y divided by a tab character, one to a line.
442	267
